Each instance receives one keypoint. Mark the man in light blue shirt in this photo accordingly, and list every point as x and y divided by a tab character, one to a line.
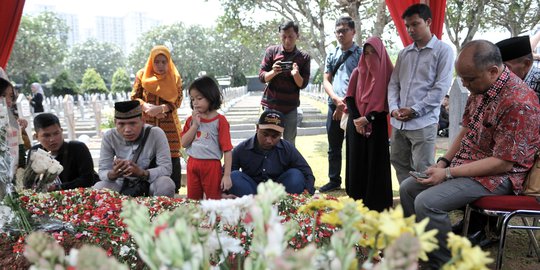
421	78
339	65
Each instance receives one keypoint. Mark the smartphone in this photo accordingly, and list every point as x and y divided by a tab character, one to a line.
286	65
418	175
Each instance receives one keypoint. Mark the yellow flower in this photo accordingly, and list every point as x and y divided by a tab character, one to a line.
464	256
331	218
428	242
314	206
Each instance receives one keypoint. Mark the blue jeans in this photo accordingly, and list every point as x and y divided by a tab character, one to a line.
335	144
243	184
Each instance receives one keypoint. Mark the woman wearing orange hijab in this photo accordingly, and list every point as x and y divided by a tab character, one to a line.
158	87
368	159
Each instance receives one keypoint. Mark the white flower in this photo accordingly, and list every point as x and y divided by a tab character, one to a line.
39	166
230	211
72	257
228	244
275	232
124	250
55	167
6	215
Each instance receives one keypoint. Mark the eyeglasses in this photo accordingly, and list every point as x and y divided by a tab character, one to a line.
342	31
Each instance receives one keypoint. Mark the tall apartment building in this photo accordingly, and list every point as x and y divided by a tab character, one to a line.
111	30
135	24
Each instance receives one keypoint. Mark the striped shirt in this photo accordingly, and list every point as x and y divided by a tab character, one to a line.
282	93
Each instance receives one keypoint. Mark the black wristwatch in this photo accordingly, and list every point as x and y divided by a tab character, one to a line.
414	113
445	160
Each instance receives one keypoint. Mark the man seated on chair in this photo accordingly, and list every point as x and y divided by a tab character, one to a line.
74	156
266	156
120	143
517	55
493	151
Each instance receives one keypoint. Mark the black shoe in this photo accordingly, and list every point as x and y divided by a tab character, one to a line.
488	242
477	237
330	186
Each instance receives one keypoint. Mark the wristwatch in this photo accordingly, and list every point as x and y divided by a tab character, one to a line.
370	117
448	174
445	160
414	113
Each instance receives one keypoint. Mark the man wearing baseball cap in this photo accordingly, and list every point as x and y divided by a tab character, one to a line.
135	151
517	55
266	156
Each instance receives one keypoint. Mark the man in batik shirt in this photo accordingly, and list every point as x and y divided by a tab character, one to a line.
493	151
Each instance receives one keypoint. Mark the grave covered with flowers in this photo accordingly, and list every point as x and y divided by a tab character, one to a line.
100	229
272	230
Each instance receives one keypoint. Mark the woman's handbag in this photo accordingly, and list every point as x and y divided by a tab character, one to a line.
138	186
531	186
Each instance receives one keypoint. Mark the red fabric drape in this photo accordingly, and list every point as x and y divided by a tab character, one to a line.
397	7
10	17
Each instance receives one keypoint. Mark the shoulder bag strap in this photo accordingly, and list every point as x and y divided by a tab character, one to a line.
340	62
141	146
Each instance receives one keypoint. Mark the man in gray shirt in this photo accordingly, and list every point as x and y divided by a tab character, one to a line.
119	146
421	78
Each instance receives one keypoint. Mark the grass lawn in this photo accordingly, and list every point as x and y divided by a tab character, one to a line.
314	148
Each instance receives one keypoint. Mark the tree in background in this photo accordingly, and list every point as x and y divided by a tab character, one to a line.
372	13
92	82
515	16
64	85
195	49
310	15
120	81
104	57
462	20
39	49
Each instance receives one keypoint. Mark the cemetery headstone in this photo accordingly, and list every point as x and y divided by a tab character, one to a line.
23	108
69	116
96	107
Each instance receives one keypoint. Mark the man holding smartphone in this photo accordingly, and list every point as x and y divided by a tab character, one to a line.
285	70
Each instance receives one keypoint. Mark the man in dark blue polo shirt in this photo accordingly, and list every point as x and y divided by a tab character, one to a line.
266	156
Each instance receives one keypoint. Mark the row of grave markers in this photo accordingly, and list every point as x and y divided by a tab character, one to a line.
67	107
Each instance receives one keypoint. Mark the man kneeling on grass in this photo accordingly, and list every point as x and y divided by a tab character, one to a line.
134	150
266	156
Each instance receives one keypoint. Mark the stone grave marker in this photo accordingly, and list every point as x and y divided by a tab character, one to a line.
80	104
23	108
96	107
69	116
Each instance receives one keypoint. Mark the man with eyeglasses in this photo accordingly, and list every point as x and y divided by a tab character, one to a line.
421	78
339	65
285	70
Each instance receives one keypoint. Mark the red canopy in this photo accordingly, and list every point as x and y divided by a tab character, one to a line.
10	17
397	7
